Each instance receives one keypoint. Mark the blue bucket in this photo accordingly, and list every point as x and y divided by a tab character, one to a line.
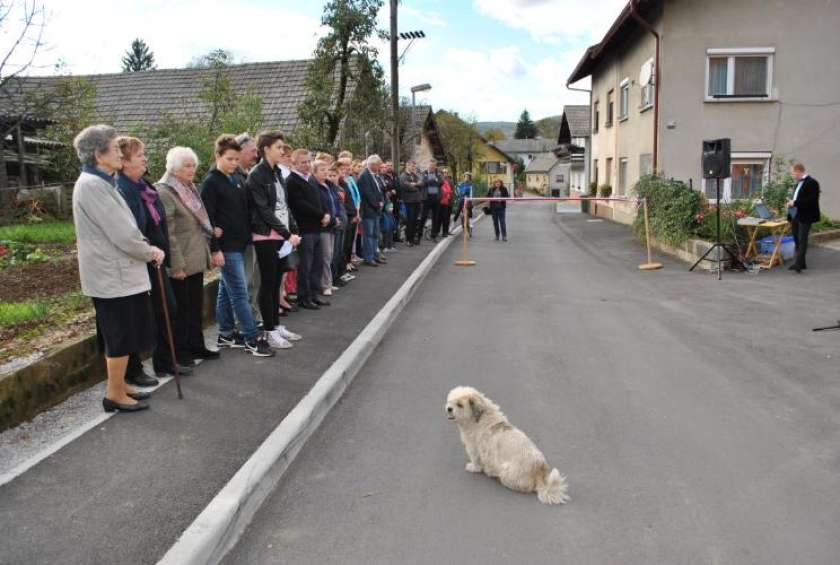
766	245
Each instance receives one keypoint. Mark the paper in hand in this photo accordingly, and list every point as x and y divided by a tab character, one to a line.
285	249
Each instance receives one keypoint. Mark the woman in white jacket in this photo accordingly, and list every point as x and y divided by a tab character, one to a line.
112	263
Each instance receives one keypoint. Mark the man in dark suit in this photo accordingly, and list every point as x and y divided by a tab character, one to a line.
373	201
803	210
307	210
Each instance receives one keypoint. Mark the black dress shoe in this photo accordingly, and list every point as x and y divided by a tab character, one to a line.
141	379
111	406
205	354
139	395
339	283
292	309
796	268
309	305
321	302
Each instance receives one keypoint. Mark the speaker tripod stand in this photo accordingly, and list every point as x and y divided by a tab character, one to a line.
719	246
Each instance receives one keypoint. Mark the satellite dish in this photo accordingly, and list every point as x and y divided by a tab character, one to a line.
646	73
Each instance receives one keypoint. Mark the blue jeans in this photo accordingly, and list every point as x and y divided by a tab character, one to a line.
233	299
370	227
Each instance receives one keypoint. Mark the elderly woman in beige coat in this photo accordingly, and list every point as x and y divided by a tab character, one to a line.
189	236
112	257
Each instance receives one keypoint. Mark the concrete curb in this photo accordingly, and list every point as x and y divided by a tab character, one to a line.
219	526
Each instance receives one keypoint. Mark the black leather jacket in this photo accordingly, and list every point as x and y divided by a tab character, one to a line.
262	198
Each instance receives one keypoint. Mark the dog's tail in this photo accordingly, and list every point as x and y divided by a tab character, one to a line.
552	487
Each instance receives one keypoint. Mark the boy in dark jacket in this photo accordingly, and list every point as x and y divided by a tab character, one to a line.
226	201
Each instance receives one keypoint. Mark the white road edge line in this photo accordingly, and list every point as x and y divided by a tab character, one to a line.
215	531
70	437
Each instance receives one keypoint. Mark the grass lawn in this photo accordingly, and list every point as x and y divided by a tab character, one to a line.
46	232
14	313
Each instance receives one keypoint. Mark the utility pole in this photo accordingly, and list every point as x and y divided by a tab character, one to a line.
395	89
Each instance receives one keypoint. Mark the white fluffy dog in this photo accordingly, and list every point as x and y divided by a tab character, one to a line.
501	450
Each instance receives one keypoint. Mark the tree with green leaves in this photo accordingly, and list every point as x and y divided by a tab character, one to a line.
343	58
460	140
138	57
76	112
525	127
494	134
227	112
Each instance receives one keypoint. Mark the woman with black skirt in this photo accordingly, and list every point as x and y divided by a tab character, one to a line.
112	256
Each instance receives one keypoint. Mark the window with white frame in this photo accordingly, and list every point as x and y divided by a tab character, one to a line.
647	72
645	164
748	174
624	100
647	96
622	176
739	73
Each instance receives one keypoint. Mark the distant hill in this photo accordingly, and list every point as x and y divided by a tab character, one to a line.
548	127
507	127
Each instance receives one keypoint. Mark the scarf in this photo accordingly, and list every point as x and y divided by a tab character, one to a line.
190	198
149	196
354	190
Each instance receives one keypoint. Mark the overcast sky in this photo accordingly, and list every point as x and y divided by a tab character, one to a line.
486	59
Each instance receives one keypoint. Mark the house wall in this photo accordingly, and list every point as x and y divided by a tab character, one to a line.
537	182
490	154
803	119
422	152
626	139
562	170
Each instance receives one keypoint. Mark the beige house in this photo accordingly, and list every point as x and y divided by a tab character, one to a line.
749	70
544	176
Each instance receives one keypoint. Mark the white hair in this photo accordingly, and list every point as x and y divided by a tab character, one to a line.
373	159
177	157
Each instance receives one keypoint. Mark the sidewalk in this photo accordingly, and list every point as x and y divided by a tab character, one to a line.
124	491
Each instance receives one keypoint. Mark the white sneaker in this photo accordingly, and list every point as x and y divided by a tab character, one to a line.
333	288
327	292
284	332
277	341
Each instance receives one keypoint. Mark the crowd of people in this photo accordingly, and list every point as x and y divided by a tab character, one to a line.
286	229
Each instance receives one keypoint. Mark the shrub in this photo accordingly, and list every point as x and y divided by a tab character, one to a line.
605	191
593	189
673	209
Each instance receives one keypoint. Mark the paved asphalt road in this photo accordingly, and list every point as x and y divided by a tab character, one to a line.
124	491
697	420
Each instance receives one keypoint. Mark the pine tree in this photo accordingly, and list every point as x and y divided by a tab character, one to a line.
525	128
138	58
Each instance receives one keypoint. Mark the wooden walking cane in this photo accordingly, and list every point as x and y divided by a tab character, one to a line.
169	336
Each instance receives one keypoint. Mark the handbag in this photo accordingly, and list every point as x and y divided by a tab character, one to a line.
486	210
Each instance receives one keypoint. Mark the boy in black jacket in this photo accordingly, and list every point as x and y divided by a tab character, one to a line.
226	201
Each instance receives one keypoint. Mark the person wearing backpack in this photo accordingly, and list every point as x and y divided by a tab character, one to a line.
430	182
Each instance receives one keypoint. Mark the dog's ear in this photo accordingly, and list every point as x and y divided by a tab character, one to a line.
477	407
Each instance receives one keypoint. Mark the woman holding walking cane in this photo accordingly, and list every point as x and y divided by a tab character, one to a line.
112	256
